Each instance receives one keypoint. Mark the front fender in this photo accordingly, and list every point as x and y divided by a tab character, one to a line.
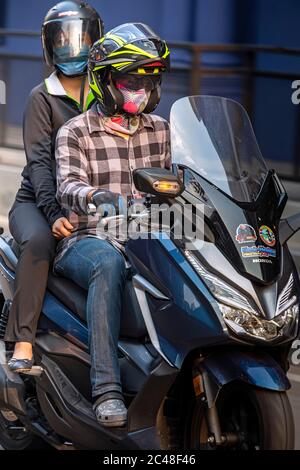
254	368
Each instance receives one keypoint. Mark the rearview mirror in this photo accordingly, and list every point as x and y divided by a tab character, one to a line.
157	181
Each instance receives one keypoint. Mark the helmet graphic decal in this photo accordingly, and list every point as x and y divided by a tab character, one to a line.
245	233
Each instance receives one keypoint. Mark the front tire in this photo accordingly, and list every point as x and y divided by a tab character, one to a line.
262	419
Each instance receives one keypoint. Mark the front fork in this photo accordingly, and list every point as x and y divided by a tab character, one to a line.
207	392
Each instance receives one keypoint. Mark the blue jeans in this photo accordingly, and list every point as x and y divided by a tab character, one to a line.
97	266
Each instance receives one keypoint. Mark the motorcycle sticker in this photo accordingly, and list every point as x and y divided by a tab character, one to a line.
245	233
258	252
267	235
261	260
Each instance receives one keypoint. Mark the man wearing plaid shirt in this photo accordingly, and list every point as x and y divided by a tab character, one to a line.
96	154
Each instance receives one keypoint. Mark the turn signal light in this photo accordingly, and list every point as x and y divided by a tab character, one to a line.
167	187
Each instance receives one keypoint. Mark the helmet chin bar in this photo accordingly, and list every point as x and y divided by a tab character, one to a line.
117	101
153	101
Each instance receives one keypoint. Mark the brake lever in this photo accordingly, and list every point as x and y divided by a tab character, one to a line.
105	220
140	215
91	209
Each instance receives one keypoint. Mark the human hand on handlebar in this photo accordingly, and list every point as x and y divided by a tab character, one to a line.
62	228
107	202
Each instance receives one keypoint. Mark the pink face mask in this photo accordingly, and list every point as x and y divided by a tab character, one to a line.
135	101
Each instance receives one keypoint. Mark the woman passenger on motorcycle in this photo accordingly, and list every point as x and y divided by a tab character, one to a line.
36	220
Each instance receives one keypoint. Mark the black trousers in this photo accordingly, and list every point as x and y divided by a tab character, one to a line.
32	232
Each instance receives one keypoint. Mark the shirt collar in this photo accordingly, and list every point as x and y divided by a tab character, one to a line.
54	86
95	123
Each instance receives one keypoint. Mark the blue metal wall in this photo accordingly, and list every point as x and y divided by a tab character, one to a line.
205	21
184	20
273	23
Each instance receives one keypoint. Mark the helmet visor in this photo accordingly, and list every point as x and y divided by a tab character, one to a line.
130	32
139	34
136	82
66	41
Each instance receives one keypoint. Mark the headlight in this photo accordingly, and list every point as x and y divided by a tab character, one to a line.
240	316
242	322
220	289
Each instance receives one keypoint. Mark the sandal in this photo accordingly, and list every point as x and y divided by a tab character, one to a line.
20	365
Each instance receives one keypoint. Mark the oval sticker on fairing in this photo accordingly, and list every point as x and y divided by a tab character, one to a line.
267	235
245	233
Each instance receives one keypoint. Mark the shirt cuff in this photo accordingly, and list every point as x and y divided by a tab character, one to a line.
82	197
53	217
76	199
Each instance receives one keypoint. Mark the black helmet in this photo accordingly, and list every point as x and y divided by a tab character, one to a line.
68	31
132	48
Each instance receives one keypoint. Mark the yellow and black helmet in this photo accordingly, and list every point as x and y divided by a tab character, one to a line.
130	49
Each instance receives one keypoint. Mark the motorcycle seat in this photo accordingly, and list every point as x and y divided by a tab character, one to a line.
7	253
75	298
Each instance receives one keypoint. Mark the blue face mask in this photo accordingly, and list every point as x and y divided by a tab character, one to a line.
71	66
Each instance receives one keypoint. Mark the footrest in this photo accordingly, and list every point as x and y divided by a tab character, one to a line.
35	371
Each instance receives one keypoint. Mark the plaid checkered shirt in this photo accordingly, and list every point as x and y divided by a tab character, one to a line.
89	157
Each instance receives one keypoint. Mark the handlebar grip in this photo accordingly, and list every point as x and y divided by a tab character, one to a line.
91	209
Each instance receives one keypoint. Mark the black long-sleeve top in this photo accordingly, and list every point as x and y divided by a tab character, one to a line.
48	108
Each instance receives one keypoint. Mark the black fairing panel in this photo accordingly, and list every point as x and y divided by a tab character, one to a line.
224	216
75	363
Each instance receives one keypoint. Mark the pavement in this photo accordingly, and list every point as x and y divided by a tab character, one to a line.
294	396
11	165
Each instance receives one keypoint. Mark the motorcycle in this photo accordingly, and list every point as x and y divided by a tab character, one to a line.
207	321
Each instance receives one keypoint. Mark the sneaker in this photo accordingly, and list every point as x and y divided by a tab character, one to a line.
111	413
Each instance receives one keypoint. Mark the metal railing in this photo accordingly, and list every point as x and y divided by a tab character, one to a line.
248	69
196	69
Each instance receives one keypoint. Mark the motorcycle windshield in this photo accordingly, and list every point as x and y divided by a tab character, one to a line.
213	136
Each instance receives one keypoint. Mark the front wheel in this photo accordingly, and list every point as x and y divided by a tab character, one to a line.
261	419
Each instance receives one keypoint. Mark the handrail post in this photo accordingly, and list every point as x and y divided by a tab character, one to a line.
296	156
3	113
195	73
250	56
